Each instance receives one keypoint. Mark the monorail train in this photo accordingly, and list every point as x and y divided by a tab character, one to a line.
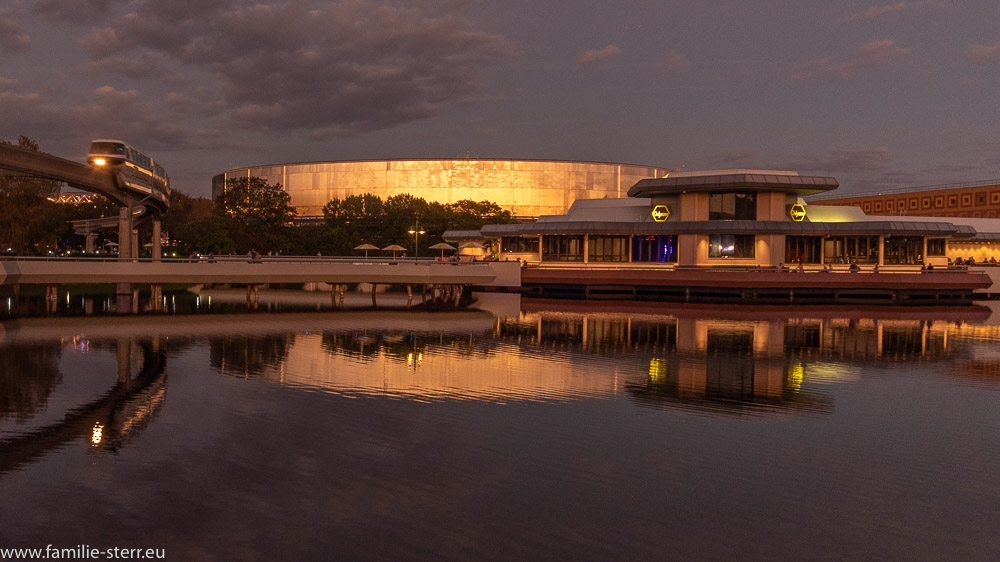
138	172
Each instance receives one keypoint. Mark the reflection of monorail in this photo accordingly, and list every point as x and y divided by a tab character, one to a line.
138	173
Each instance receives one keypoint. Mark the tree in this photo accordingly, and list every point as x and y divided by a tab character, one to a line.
184	209
207	234
30	223
254	205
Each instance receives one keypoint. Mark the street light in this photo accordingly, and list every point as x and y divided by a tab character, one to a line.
416	231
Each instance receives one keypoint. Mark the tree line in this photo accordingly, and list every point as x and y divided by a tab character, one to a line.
250	214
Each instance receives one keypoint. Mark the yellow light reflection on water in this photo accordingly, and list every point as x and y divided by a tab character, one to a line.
796	372
657	370
97	434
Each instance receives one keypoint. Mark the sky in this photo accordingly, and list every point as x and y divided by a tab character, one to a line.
879	94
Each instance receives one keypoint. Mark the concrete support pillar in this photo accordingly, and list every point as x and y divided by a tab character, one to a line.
52	298
374	285
409	295
135	244
124	356
89	239
123	298
253	296
125	233
155	250
156	297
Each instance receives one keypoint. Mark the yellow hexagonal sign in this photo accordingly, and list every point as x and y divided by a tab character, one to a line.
798	212
661	213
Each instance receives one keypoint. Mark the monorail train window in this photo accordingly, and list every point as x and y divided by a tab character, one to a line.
107	148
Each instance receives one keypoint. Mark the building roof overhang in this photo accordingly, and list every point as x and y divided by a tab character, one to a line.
739	180
805	228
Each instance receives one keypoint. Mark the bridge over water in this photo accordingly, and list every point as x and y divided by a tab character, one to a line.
241	270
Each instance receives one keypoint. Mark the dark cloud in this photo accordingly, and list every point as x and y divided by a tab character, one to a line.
735	158
885	11
872	54
316	67
13	37
866	160
982	54
598	56
74	11
673	62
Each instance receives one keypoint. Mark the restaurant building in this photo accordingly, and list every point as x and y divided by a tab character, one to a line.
747	223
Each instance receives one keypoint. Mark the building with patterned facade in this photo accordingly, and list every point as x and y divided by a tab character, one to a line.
973	200
526	188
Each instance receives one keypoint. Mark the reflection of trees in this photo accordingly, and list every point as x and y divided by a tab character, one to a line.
28	375
368	344
244	356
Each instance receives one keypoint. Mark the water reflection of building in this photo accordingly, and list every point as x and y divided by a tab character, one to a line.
737	364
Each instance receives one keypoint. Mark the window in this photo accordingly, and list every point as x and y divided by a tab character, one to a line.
736	246
732	206
936	246
607	248
904	250
847	249
562	248
660	249
516	244
805	248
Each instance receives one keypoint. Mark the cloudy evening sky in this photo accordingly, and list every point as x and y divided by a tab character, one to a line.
878	94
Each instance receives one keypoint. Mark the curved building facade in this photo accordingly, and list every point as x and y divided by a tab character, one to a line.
526	188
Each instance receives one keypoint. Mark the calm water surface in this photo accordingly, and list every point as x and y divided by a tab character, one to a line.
546	430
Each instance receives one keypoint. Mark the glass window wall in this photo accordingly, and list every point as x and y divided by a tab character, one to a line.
658	249
807	249
936	247
517	244
732	206
904	250
607	248
562	248
850	249
735	246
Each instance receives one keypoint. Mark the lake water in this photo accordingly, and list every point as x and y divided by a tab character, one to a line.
531	430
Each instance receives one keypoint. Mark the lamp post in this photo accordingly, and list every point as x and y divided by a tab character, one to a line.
416	231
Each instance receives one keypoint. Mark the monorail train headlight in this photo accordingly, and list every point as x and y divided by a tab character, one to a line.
100	161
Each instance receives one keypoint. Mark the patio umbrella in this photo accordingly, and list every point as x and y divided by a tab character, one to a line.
366	247
442	246
475	245
394	248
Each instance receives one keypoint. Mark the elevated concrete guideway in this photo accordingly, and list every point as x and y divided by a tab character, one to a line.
18	162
